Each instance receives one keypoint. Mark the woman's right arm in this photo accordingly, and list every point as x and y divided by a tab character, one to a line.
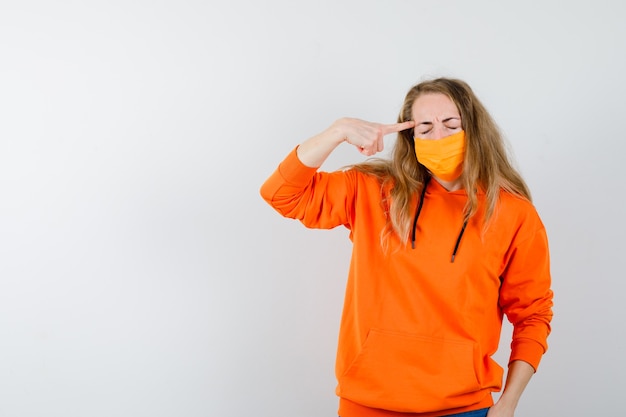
297	190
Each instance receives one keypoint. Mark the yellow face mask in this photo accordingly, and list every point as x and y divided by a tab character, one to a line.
442	157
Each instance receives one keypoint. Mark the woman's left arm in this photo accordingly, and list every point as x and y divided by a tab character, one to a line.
526	299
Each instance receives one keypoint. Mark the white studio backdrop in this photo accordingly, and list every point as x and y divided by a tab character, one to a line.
141	274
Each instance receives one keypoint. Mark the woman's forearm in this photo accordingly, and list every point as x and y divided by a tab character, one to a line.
517	378
366	136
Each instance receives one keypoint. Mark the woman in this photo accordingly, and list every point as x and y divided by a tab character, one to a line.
445	241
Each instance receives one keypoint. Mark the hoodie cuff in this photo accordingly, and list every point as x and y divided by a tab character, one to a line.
527	350
293	171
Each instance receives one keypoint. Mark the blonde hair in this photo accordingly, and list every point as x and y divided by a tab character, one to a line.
486	164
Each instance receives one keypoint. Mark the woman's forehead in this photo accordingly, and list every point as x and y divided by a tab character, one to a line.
434	105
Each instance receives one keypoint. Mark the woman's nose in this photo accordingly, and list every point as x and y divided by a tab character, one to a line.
438	132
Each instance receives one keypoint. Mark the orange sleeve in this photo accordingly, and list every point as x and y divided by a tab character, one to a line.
318	199
525	295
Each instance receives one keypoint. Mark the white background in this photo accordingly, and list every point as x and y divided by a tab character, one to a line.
141	274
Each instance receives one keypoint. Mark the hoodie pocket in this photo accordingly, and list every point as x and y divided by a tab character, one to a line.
410	373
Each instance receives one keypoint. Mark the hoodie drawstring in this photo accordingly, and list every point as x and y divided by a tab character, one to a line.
417	214
419	209
458	240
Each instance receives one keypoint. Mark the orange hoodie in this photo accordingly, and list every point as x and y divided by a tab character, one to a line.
418	331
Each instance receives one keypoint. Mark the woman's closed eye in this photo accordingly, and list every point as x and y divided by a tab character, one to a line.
448	126
452	123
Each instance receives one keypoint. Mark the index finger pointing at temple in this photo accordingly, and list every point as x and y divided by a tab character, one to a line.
398	127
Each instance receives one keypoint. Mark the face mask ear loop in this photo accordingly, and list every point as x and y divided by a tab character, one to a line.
418	211
458	241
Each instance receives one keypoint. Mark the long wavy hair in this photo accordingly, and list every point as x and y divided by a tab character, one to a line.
486	165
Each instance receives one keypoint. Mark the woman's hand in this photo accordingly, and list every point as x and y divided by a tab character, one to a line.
499	411
366	136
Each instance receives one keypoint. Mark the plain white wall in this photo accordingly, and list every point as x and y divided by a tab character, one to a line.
141	274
